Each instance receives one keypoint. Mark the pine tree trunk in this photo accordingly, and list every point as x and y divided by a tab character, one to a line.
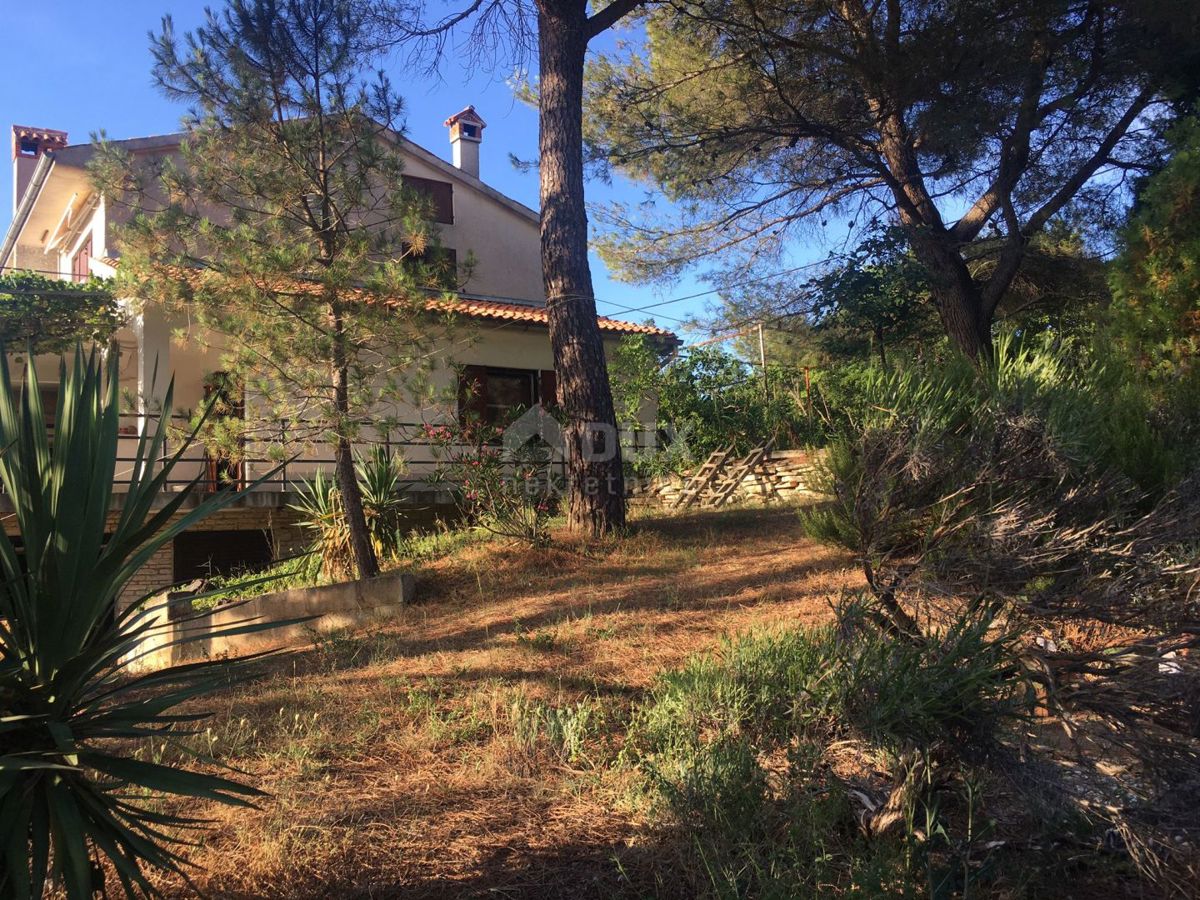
365	561
958	298
962	316
596	485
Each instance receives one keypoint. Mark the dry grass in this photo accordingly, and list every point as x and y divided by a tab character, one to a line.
408	761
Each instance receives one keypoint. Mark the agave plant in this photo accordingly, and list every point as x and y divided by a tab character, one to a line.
379	473
73	707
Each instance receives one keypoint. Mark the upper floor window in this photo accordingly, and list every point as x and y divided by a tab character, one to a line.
440	195
80	268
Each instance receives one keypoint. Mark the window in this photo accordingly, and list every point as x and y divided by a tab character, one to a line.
80	268
497	396
439	194
468	130
510	393
29	146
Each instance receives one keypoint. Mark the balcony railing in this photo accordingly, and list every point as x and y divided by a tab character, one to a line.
281	461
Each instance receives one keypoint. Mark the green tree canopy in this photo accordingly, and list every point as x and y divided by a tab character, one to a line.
1156	277
961	120
1153	329
284	225
878	298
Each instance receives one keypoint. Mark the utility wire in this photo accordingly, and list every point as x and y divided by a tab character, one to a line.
717	290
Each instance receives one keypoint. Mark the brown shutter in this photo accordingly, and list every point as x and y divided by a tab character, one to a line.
80	271
548	388
440	194
472	394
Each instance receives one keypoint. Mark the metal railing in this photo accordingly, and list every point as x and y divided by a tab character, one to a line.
281	460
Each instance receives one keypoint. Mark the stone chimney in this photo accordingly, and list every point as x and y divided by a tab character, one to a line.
28	146
466	133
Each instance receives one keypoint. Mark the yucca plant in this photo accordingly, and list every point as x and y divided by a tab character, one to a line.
379	473
320	506
73	708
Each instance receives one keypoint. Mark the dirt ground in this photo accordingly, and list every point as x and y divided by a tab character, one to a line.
393	758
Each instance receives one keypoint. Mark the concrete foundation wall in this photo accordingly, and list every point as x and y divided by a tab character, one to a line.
326	608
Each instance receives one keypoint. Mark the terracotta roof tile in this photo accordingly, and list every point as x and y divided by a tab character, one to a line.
497	310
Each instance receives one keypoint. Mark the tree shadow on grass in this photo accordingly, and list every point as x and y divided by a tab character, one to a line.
677	597
617	862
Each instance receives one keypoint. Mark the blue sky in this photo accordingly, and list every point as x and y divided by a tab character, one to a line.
82	66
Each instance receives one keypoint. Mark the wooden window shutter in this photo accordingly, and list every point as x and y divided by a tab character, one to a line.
548	388
80	270
472	394
440	195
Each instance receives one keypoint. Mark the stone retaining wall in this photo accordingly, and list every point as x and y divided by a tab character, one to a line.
785	475
328	607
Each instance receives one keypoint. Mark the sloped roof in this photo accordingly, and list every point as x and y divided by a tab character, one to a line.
536	315
486	308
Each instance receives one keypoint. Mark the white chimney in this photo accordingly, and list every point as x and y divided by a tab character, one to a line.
29	145
466	133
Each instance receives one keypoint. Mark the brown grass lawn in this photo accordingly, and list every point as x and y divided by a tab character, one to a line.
395	760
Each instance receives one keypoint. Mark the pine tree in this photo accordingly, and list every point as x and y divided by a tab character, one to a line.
968	123
564	29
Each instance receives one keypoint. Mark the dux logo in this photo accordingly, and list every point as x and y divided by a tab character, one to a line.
535	423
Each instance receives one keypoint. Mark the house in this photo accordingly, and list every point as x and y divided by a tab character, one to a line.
61	226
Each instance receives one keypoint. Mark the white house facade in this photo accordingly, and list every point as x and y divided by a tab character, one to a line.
63	227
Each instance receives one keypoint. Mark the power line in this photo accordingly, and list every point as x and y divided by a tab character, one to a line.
718	290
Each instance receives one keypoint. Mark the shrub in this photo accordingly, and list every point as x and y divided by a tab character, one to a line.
961	685
509	488
708	400
763	754
70	792
294	572
379	473
566	730
1011	489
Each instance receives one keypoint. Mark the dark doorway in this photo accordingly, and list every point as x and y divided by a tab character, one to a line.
199	554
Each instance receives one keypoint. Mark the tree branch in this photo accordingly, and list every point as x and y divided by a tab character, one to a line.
610	15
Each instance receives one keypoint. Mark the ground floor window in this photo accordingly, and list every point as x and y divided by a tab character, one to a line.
498	395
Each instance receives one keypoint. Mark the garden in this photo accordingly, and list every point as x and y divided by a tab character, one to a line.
963	662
